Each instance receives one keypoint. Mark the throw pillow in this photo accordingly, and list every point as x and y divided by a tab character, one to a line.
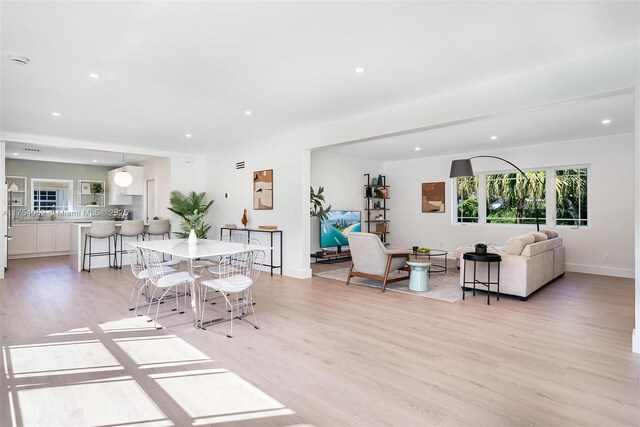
550	233
515	244
539	236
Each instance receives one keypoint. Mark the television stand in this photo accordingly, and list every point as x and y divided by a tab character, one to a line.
326	257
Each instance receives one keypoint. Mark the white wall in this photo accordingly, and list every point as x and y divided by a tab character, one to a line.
610	202
343	180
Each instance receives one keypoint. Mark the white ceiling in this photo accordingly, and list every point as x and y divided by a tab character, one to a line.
47	153
582	119
169	68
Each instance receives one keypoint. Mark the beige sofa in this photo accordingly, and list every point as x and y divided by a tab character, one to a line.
529	261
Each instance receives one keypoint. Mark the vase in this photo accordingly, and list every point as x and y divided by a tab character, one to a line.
193	239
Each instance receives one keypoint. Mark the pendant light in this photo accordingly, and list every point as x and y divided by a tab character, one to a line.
123	178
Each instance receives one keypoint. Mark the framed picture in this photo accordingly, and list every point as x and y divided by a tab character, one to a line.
433	197
86	188
263	189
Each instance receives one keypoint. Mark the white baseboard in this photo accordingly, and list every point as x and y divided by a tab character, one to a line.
635	341
297	273
605	271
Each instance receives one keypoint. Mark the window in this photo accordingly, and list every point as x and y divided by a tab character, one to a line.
467	199
45	200
52	194
571	197
512	198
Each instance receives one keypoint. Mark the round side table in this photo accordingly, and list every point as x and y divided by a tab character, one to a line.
487	259
419	279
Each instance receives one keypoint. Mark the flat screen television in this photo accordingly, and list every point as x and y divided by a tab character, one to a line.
334	228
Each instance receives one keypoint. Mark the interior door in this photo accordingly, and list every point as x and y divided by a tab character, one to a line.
150	206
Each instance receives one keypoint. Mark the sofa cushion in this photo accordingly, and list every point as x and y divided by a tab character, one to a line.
540	237
515	244
550	233
538	248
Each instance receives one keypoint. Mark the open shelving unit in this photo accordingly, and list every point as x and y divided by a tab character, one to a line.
18	197
376	196
86	198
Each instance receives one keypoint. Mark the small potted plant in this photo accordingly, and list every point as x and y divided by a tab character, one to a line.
96	188
481	249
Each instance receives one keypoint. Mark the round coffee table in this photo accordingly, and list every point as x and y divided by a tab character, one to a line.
433	268
418	280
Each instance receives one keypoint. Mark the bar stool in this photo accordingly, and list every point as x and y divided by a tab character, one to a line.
159	228
100	230
129	228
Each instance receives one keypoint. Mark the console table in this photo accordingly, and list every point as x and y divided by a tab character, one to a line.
227	231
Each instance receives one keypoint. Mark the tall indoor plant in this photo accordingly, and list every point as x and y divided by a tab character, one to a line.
317	200
192	209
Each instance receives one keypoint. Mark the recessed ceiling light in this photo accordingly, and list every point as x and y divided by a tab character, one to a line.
94	76
493	138
606	121
248	112
94	161
360	70
188	135
417	148
16	154
56	114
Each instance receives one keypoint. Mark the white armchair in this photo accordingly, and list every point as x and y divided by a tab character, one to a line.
372	260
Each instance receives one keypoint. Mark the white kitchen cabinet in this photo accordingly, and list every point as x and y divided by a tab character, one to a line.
23	239
46	237
123	195
63	237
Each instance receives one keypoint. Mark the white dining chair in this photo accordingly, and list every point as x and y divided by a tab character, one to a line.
140	272
238	273
165	283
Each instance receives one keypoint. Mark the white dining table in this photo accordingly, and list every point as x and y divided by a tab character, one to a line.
204	248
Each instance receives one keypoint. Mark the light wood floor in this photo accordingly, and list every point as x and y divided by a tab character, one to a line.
326	354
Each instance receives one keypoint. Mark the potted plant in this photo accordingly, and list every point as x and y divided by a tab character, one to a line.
192	209
481	248
96	188
317	209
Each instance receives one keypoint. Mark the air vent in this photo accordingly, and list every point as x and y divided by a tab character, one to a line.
240	165
32	150
21	60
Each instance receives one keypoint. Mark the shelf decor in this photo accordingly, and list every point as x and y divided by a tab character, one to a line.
433	197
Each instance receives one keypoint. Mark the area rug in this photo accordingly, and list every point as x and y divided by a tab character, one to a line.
443	287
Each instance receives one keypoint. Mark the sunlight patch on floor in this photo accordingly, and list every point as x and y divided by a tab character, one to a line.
128	324
109	402
43	390
61	358
75	331
218	395
160	351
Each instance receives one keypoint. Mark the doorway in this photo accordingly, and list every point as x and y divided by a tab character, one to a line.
150	206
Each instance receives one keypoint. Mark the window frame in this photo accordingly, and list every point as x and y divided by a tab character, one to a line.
549	220
36	186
